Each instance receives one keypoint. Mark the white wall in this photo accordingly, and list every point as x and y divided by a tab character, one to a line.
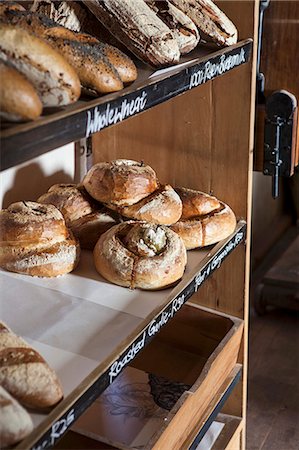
31	179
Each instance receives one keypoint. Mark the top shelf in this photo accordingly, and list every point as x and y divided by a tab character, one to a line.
22	142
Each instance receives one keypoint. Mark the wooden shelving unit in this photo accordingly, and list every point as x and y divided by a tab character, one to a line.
202	139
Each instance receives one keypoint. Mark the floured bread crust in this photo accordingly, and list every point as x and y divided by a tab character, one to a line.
139	28
34	240
140	255
15	422
196	203
25	374
121	182
206	229
210	20
83	215
163	207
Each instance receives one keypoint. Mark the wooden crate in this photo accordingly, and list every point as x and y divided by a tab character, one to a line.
198	348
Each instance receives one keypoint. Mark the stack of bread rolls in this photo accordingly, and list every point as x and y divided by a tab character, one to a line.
138	228
27	379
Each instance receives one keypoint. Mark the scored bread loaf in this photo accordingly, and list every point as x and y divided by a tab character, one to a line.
18	98
205	220
34	240
87	219
25	374
182	27
15	422
54	79
120	182
140	255
139	28
212	23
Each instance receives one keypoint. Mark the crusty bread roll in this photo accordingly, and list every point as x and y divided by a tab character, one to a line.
182	27
212	23
15	422
87	219
204	221
34	240
25	374
54	79
162	207
18	99
140	255
139	28
121	182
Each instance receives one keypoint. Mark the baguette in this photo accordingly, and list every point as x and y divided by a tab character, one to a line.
25	374
18	99
183	28
212	23
139	28
15	422
54	79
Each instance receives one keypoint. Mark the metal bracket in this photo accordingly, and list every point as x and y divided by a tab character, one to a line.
260	76
280	137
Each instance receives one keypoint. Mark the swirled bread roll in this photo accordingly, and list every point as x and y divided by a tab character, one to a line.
54	79
140	255
205	220
212	23
15	422
34	240
25	374
87	219
121	182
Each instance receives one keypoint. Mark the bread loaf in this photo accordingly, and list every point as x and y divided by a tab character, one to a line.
212	23
18	99
182	27
15	422
34	240
54	79
162	207
121	182
99	66
205	220
25	374
140	255
139	28
87	219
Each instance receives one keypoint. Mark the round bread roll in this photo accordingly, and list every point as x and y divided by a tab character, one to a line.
205	220
34	240
15	422
162	207
121	182
87	220
19	101
140	255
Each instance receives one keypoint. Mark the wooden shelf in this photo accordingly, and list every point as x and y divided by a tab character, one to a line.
22	142
89	330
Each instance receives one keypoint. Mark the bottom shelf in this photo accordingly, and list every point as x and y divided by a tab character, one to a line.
176	385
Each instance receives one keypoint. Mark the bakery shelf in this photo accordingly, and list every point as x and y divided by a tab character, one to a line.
180	384
22	142
89	330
